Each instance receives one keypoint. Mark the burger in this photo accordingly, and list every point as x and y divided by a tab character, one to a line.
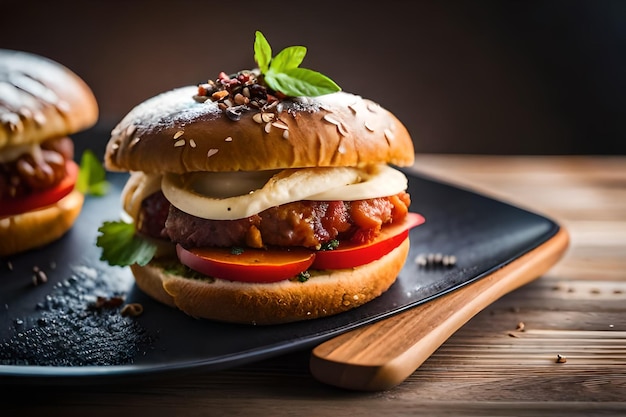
41	103
264	196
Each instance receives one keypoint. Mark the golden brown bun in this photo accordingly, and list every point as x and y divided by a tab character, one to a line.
36	228
326	293
338	129
41	99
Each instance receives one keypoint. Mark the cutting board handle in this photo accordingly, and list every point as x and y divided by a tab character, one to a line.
381	355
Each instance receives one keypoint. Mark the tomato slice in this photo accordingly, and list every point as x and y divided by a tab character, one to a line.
251	265
348	255
42	198
264	266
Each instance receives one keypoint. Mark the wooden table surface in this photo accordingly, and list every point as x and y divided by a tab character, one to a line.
489	366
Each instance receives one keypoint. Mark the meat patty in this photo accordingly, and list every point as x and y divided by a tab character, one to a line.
34	172
303	223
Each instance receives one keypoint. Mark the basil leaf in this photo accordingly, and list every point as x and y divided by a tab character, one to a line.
262	52
122	247
91	176
288	58
299	82
282	72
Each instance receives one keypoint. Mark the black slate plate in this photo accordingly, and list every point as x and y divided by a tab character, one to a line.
56	333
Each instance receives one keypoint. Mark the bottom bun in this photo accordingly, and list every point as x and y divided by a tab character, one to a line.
325	293
33	229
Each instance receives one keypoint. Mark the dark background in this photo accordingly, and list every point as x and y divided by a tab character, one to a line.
523	77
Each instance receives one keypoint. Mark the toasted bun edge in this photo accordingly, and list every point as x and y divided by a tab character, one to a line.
30	230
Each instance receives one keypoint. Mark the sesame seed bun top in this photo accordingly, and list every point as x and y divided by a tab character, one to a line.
177	132
41	99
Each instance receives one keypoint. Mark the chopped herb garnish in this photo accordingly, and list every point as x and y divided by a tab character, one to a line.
330	245
303	276
92	176
235	250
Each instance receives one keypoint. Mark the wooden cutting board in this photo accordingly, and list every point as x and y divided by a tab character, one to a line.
381	355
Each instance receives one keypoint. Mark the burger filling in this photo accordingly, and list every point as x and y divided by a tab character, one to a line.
300	207
309	224
32	168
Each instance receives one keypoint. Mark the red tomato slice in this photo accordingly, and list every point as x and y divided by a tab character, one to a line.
42	198
252	265
348	255
258	265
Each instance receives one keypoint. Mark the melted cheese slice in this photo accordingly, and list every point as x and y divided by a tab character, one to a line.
138	187
236	195
11	153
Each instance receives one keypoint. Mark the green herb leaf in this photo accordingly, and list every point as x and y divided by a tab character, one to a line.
282	73
121	246
288	58
92	176
262	52
297	82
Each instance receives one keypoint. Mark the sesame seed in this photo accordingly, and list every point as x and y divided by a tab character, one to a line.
25	112
268	127
342	129
178	134
130	130
267	117
192	143
353	107
228	139
135	141
115	146
331	120
179	143
257	118
389	135
211	152
63	106
373	107
285	134
280	124
369	127
39	118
